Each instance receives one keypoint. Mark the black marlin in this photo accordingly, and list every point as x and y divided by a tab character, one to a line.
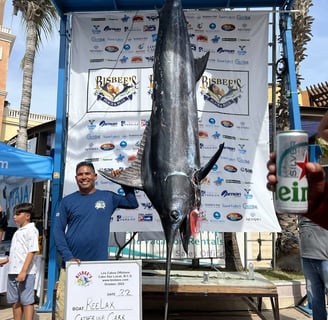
167	167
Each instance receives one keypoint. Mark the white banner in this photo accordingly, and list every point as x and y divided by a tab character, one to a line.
13	191
110	102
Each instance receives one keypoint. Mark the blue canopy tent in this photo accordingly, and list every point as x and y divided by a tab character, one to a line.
18	166
18	163
65	7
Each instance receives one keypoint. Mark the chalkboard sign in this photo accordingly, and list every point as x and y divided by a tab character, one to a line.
103	290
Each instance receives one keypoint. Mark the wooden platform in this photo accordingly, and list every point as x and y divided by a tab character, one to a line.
232	284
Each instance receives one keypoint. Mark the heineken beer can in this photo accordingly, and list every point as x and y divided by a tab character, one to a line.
292	186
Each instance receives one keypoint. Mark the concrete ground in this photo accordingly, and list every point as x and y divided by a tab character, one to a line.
285	314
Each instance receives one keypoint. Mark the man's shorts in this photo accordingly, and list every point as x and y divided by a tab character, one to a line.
22	292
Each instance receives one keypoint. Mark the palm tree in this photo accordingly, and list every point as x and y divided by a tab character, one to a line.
287	245
38	17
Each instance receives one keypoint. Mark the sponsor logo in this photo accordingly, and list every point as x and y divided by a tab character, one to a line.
231	149
229	39
241	160
246	170
103	123
221	50
252	217
231	206
241	149
226	193
228	27
216	39
241	51
107	146
97	39
93	136
234	216
111	29
228	137
91	125
218	181
243	125
152	18
148	28
96	29
230	168
248	194
145	217
241	62
248	206
83	278
211	120
147	205
216	215
227	124
243	17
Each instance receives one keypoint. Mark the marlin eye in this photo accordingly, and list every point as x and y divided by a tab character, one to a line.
175	214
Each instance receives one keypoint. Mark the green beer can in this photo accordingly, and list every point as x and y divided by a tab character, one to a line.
292	186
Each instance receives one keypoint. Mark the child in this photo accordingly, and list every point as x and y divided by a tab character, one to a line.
22	268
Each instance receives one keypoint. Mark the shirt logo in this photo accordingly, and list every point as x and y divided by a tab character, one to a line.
100	204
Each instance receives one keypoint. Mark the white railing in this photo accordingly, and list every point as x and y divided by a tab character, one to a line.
32	116
5	29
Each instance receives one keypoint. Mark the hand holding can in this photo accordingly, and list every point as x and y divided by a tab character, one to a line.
292	185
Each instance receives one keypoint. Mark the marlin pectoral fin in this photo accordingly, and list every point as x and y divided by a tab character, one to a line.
200	65
203	172
185	233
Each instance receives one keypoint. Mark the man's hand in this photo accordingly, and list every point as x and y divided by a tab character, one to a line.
314	174
316	178
116	172
271	176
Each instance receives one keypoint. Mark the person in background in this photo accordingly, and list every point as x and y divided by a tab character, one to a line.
81	230
22	268
3	223
314	254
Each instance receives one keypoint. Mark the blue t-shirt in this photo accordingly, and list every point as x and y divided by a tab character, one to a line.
82	223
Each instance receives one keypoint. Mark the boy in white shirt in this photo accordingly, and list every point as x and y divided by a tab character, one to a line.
22	268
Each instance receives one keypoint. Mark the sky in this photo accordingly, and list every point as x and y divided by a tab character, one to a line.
314	69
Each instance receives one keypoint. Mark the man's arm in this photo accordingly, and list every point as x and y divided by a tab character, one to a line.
130	200
59	234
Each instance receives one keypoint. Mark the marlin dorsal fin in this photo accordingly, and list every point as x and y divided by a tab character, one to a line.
200	65
131	176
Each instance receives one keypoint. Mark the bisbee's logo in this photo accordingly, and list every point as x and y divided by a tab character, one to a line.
83	278
115	90
221	92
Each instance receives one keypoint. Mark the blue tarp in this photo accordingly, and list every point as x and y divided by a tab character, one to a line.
18	163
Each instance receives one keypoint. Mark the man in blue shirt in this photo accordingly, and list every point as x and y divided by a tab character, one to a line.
81	230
